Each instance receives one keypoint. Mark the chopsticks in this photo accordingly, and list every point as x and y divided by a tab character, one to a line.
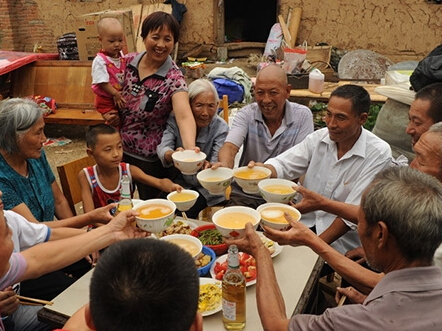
31	301
342	300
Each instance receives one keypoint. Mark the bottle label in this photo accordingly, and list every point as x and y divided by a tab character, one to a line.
229	310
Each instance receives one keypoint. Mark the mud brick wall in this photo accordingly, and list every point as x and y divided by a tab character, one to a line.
400	29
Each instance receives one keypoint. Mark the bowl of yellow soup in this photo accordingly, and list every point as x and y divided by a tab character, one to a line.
189	243
183	200
215	180
248	178
277	190
188	161
231	221
155	214
272	215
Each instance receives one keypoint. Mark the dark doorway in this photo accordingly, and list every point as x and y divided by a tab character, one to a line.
248	20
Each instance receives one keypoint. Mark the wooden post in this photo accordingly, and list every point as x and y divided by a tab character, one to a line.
295	22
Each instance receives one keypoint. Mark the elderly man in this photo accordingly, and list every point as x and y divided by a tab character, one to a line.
338	162
265	128
400	233
428	160
425	110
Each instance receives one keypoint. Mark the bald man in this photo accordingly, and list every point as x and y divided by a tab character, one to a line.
265	128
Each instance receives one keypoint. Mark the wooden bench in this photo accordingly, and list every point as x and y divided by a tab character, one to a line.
67	82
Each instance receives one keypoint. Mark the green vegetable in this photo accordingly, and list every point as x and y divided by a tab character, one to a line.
211	237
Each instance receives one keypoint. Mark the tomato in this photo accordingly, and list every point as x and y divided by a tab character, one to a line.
250	274
247	266
220	266
220	274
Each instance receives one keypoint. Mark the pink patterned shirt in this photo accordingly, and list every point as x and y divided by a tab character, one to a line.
148	105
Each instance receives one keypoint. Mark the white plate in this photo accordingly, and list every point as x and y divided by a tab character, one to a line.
278	248
205	280
222	259
175	221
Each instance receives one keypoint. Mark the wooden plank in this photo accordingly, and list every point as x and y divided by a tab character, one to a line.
67	82
285	30
149	9
68	173
75	116
294	24
296	94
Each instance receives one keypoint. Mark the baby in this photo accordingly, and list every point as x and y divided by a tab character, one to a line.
108	70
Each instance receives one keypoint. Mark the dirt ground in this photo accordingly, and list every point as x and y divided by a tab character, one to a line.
58	155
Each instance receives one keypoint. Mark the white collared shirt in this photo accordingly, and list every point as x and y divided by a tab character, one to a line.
342	180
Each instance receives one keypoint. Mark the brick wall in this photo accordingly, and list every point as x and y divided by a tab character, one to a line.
23	28
401	30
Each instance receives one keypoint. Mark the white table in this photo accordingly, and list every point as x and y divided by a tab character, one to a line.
297	270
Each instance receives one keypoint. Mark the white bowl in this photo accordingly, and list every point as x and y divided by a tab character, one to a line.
250	186
183	200
155	224
271	210
277	190
187	242
215	181
239	216
188	161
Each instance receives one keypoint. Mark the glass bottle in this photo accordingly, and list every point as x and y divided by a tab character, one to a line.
125	202
234	293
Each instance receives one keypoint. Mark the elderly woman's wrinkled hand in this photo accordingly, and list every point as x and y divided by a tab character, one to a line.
123	227
102	214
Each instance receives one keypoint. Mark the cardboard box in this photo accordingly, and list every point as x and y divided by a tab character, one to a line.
87	35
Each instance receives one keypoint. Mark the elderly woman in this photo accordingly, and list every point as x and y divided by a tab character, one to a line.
211	133
26	178
30	189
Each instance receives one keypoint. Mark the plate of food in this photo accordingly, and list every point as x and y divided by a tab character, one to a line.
247	265
210	299
178	227
274	248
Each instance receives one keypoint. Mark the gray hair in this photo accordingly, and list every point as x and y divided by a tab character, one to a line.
409	202
437	129
202	85
17	116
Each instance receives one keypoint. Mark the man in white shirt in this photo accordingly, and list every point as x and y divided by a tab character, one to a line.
338	162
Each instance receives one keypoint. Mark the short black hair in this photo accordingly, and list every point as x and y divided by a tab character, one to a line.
157	20
94	131
359	97
141	284
433	94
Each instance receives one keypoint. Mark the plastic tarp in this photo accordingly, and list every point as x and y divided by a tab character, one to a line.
10	60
